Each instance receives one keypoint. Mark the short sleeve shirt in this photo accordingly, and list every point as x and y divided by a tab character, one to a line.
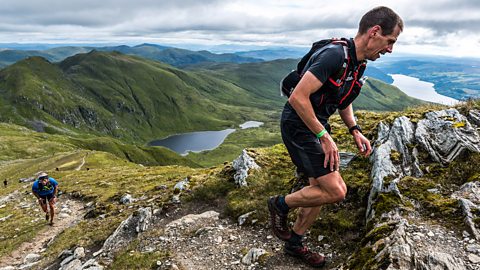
44	190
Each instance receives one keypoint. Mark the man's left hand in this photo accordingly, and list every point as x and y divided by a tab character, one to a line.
363	144
53	200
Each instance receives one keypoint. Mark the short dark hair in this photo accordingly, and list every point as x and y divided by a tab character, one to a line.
383	16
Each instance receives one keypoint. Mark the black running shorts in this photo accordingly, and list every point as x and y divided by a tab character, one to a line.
304	148
47	198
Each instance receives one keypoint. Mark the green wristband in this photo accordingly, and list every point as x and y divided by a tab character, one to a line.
321	133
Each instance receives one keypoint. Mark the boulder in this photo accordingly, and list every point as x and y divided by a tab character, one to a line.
445	134
253	255
242	165
126	199
32	257
127	231
392	157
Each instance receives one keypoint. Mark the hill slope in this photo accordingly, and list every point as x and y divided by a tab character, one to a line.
263	78
119	95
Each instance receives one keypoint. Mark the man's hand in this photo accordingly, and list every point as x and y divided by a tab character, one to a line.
363	144
331	152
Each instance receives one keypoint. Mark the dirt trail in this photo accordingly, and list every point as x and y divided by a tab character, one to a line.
67	212
81	165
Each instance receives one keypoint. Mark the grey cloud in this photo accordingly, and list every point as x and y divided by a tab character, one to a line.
445	27
89	12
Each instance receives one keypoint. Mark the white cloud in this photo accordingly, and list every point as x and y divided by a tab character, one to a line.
430	26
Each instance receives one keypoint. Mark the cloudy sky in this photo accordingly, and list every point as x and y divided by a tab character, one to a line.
447	27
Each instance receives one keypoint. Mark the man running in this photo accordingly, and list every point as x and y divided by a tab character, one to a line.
305	129
45	189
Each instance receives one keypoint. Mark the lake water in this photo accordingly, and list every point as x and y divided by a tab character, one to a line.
416	88
200	140
193	141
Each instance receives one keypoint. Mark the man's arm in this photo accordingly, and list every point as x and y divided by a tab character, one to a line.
363	144
300	101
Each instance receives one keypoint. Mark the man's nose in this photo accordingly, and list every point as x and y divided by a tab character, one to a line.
390	48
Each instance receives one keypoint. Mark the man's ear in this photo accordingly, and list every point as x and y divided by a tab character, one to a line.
374	30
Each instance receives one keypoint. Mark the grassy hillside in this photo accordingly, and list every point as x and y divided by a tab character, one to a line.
263	78
110	177
19	143
121	96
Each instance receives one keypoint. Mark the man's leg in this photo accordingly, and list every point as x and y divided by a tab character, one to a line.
325	189
43	205
52	210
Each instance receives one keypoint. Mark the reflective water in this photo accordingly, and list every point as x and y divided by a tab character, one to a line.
416	88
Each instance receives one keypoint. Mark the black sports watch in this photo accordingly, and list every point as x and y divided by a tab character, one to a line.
356	127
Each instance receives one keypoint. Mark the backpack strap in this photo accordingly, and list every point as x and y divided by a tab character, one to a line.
338	78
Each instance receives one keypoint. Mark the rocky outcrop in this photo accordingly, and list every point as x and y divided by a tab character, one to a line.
136	223
242	165
402	236
393	157
445	134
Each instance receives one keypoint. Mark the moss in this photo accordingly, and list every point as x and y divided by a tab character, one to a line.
396	157
431	203
364	258
385	202
132	258
377	233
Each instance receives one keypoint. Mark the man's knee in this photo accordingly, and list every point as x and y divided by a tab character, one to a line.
338	193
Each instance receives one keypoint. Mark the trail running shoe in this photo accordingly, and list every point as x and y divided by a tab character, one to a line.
278	220
302	252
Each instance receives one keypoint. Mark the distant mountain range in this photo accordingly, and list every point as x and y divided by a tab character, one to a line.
173	56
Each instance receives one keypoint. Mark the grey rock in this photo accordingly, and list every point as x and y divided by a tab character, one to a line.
8	268
474	116
475	248
126	199
79	253
190	221
243	218
127	230
92	264
469	198
67	260
32	257
439	136
420	253
345	158
242	165
392	139
181	185
73	265
27	266
65	253
6	218
474	258
253	255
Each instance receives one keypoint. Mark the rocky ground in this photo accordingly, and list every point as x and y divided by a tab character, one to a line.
68	212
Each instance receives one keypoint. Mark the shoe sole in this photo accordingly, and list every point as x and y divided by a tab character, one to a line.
271	209
299	257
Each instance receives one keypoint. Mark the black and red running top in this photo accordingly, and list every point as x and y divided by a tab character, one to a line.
337	67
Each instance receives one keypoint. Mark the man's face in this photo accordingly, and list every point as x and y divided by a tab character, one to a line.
43	179
380	44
